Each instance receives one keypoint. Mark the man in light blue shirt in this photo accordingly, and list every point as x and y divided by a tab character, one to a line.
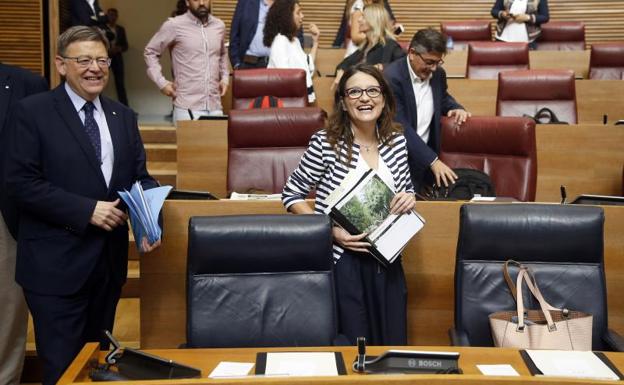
246	34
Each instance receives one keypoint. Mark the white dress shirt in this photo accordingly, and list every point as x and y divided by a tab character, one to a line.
424	103
108	156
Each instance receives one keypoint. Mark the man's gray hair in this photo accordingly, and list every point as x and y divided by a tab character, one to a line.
428	40
80	33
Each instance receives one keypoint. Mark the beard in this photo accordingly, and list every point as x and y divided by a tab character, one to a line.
201	12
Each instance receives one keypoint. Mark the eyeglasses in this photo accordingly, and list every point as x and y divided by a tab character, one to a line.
356	93
429	62
85	61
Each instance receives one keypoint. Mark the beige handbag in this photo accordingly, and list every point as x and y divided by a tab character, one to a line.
547	328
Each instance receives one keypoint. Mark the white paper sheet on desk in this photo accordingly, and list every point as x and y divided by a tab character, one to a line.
231	369
498	370
571	364
301	364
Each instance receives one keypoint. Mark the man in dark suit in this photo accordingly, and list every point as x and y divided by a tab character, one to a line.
15	84
247	49
116	35
419	86
86	12
71	151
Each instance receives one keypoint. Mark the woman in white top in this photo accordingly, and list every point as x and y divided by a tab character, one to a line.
520	20
360	134
283	21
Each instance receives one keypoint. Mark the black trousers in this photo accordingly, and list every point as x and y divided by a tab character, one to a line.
64	324
117	66
372	300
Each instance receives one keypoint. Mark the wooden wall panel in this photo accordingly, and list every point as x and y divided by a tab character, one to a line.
21	34
603	18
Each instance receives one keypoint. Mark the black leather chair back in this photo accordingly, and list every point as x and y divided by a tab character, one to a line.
260	280
562	244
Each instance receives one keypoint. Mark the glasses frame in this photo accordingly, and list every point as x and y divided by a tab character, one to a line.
362	91
428	62
91	60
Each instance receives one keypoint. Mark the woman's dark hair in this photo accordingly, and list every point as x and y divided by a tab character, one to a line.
338	126
280	20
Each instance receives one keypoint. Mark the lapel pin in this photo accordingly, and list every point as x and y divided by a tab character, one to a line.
114	113
7	87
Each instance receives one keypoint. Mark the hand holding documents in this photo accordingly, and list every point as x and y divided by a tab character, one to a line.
144	207
361	204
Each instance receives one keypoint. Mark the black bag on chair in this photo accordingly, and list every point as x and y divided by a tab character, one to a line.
470	182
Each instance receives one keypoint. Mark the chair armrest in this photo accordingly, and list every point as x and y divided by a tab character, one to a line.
458	337
614	340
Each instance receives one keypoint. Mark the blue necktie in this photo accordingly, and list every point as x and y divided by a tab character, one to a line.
92	129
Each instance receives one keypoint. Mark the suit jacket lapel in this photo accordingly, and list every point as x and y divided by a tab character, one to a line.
113	120
66	110
6	89
408	91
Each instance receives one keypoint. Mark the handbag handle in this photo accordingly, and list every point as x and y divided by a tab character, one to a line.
523	275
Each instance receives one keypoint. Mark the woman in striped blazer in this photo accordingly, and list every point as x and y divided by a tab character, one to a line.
360	133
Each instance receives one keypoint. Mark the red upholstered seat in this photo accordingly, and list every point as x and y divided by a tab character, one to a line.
562	36
525	92
606	61
487	59
265	145
502	147
464	32
289	85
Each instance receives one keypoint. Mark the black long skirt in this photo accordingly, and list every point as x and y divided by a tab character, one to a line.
372	300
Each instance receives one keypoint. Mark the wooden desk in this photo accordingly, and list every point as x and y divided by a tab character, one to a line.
587	159
428	261
208	359
455	62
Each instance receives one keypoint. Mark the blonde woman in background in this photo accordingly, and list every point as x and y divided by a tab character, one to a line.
379	46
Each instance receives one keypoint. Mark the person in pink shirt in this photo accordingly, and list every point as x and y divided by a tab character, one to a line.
196	40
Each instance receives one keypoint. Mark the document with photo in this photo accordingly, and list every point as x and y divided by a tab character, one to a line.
362	205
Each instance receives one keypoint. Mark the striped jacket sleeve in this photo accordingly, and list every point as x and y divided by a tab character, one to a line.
307	174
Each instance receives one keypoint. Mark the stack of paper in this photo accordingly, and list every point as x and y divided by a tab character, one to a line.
144	208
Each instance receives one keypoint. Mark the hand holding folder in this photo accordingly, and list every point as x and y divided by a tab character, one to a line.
144	208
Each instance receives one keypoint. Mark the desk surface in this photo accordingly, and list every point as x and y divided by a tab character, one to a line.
207	360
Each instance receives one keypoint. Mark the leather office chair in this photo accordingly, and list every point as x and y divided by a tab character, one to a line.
287	84
487	59
525	92
562	244
260	280
502	147
562	36
466	31
606	61
265	145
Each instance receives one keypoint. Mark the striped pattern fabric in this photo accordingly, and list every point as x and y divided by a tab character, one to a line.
320	168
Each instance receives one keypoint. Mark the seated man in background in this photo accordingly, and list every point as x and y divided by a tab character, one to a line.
199	59
419	85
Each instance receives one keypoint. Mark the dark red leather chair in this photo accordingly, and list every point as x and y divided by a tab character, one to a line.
265	146
502	147
606	61
525	92
464	32
487	59
562	36
287	84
